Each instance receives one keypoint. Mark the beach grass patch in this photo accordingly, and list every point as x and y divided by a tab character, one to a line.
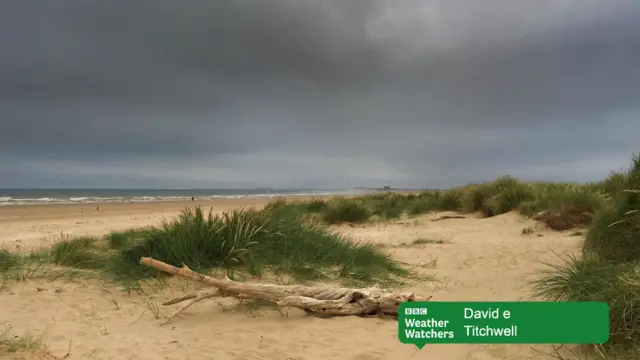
500	196
425	202
121	239
389	206
9	260
609	268
316	206
452	200
346	211
80	253
615	232
255	241
565	206
592	279
11	344
615	183
527	231
425	241
22	266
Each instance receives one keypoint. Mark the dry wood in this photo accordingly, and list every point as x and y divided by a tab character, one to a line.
446	217
321	301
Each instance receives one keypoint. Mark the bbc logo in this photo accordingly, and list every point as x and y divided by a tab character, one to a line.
415	311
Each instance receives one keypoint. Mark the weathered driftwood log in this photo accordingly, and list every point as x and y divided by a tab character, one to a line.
320	301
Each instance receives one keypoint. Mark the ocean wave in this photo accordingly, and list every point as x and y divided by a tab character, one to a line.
8	200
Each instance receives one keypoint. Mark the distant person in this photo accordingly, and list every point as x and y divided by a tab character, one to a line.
193	198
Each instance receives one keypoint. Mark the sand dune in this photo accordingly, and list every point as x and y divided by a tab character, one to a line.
478	259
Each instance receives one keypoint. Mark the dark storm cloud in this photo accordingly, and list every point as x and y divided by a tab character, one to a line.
320	93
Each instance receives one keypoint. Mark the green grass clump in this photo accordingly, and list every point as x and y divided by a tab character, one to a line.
80	253
389	206
21	266
453	199
423	241
527	231
346	211
316	206
257	241
591	279
609	269
565	206
498	197
382	206
560	206
122	239
392	206
12	344
615	232
8	260
424	203
615	183
279	239
298	207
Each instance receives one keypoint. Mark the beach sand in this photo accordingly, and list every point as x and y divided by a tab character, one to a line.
480	259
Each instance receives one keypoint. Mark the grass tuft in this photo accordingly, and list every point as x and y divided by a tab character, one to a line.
560	206
565	206
12	344
345	211
498	197
609	268
80	253
527	231
591	279
422	241
8	260
278	239
122	239
615	232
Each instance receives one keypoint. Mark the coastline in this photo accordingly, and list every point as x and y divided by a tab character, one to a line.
19	197
470	254
27	226
62	210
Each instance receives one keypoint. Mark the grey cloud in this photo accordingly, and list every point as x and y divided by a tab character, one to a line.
413	92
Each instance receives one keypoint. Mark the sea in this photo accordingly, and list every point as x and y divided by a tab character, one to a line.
10	197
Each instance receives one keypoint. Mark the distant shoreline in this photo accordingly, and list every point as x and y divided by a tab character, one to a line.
395	190
28	197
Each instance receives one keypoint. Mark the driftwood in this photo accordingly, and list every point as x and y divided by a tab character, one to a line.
448	217
323	301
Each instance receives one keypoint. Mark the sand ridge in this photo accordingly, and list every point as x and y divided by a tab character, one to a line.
477	259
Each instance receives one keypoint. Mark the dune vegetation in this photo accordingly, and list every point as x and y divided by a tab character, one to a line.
295	239
21	347
560	206
609	268
247	242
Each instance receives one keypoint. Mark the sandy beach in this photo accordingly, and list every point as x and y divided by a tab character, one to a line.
37	225
477	259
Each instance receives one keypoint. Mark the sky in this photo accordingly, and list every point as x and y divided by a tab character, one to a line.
320	94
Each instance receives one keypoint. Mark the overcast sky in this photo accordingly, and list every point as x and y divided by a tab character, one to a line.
315	93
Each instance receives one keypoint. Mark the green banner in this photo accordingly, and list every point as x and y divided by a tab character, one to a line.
422	323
